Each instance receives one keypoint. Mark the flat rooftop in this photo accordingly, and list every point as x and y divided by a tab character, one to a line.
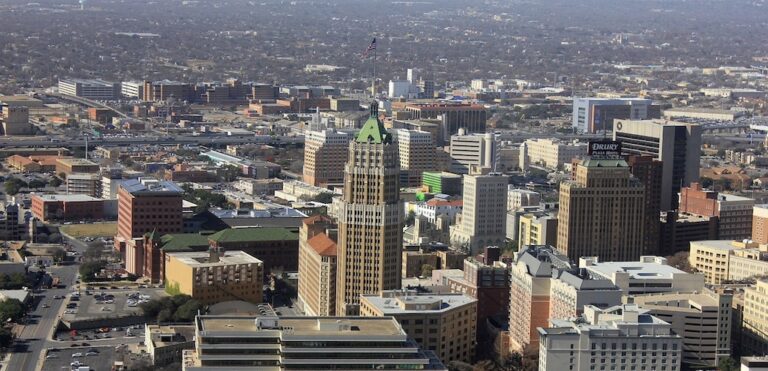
202	258
435	303
306	326
636	270
69	198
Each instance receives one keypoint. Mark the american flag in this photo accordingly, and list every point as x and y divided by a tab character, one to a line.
369	49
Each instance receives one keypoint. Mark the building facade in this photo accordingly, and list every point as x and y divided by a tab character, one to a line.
370	225
469	150
720	261
593	115
602	212
317	266
482	217
733	213
325	153
550	153
417	155
755	327
213	277
90	89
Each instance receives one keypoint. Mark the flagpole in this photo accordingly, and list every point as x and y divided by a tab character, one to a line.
373	82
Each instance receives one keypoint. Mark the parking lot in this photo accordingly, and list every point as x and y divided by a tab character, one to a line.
98	303
124	335
61	359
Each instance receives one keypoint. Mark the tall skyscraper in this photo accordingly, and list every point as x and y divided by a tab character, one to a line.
325	153
601	212
649	172
676	144
483	216
370	225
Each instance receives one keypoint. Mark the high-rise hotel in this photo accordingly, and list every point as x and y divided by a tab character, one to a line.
370	226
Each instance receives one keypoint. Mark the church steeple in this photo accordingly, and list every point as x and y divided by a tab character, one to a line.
373	130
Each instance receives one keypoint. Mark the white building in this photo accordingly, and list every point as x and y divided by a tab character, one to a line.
436	207
399	89
550	153
617	338
482	219
517	198
471	150
132	89
649	275
89	89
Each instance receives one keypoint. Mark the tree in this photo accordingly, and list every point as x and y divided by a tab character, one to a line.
324	198
62	175
88	270
12	186
229	173
11	309
165	315
706	182
55	182
6	337
187	311
426	270
411	218
727	364
36	184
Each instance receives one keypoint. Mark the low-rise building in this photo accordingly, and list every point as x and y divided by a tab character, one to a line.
650	274
702	319
304	343
165	344
620	337
720	261
442	323
67	207
275	247
212	277
84	184
754	330
68	166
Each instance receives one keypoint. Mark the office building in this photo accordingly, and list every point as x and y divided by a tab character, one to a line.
468	150
442	182
370	218
677	145
452	116
545	285
754	340
488	282
165	344
759	363
317	266
649	172
482	218
594	115
90	89
304	343
156	91
47	208
442	323
537	230
277	248
650	274
702	319
677	231
733	213
214	276
399	89
517	198
760	224
723	261
84	184
550	153
513	217
70	165
132	89
15	120
325	153
147	207
602	212
621	337
417	155
10	229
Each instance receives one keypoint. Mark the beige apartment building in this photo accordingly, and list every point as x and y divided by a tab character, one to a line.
444	324
721	261
755	320
703	320
537	230
317	266
213	277
550	153
370	213
760	224
482	221
325	153
602	212
417	155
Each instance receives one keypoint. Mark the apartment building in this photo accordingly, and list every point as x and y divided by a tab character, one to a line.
537	230
545	285
488	283
304	343
317	266
755	326
616	338
517	198
444	323
325	154
720	261
416	151
702	319
214	276
275	247
760	224
550	153
482	217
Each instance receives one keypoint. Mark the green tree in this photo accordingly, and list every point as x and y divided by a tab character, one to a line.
229	173
323	198
411	218
55	182
6	337
11	310
88	270
187	311
727	364
62	175
426	270
706	182
36	183
12	186
165	315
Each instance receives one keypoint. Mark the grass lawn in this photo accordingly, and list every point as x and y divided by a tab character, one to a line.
90	230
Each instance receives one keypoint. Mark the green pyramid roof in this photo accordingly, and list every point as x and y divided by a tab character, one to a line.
373	130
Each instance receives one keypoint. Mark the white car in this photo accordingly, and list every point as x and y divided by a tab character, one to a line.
52	355
78	354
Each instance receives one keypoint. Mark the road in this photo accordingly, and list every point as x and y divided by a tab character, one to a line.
177	139
36	335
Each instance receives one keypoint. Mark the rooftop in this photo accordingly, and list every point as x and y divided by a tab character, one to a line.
135	186
304	326
373	130
75	161
399	302
67	198
202	258
644	270
184	242
323	245
254	234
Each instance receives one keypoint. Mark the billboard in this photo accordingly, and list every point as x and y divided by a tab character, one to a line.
604	148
